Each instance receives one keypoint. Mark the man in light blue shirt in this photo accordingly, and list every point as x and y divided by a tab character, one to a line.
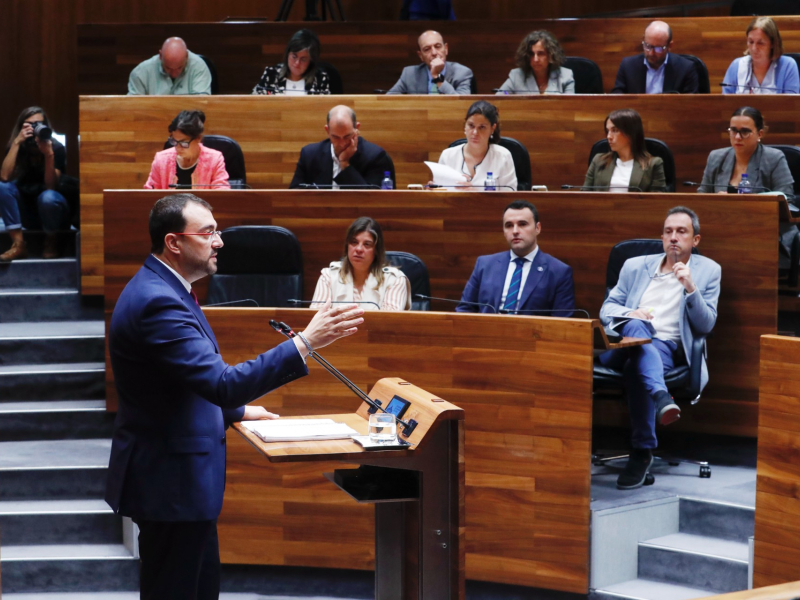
173	71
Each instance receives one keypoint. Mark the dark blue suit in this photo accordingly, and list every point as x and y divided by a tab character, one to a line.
549	285
367	166
176	397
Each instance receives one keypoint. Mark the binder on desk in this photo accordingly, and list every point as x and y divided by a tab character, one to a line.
300	430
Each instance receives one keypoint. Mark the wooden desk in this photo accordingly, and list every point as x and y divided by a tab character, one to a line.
120	136
372	55
448	231
777	558
525	385
786	591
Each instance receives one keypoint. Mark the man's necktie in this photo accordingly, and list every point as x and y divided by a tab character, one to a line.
513	288
194	297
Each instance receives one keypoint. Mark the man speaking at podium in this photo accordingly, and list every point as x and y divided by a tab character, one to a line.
177	396
524	279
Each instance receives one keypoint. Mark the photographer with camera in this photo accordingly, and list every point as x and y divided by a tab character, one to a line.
29	178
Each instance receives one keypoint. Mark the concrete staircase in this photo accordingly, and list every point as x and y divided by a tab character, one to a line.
699	551
57	535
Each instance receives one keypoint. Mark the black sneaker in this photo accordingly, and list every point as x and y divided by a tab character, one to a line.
635	472
667	412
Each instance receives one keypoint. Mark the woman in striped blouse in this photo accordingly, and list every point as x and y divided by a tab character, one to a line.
362	274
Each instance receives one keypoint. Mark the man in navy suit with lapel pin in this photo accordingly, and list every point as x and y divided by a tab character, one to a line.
524	279
177	396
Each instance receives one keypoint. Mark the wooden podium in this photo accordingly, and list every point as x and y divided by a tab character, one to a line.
418	492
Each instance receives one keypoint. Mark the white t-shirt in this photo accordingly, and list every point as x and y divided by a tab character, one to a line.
662	299
498	162
296	87
621	177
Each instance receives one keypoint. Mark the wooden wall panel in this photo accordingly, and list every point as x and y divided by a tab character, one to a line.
777	558
527	443
120	135
372	55
785	591
449	230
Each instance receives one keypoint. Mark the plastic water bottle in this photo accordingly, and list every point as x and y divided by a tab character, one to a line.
744	185
387	183
491	184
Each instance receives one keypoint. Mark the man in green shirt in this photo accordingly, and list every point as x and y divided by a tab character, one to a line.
173	71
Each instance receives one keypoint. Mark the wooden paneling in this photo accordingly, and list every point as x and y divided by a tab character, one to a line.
777	558
372	55
525	386
120	135
786	591
449	230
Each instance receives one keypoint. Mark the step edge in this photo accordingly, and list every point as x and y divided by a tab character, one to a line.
718	502
695	553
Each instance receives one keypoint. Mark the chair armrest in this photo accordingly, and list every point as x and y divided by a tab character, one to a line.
696	369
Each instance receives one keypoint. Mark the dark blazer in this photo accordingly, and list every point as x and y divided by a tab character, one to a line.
367	165
414	80
548	286
176	397
651	179
679	76
766	168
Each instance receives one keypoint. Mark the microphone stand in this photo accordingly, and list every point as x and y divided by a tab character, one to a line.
375	405
424	297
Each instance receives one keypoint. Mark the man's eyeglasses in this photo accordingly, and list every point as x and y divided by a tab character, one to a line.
209	235
173	142
744	132
656	49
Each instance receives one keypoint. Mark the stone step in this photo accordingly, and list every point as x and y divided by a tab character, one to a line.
695	560
717	519
68	568
62	304
60	381
52	342
38	273
644	589
55	419
50	522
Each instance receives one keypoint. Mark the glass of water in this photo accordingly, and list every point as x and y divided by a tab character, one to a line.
382	428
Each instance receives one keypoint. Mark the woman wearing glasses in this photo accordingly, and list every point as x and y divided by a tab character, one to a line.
299	73
763	69
482	154
766	168
628	166
188	163
539	71
362	274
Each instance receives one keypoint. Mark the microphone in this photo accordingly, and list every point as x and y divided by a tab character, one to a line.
295	301
345	186
248	301
283	328
756	87
204	186
600	188
758	188
524	92
505	311
424	297
436	185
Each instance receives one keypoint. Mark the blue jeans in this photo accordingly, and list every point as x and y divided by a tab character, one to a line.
49	212
643	369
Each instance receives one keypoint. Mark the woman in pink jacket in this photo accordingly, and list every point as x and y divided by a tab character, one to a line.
188	163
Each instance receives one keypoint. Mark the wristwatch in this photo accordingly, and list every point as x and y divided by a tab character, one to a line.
438	79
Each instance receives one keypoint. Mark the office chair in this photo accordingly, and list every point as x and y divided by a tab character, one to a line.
704	86
520	156
588	77
417	274
654	147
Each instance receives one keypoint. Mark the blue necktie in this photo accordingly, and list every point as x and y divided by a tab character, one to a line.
513	288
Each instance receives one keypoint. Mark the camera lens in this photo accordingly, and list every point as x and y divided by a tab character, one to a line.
42	131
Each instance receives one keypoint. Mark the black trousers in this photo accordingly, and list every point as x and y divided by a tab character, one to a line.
179	560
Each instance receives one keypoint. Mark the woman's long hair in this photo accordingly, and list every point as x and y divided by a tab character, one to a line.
628	122
24	116
361	225
305	39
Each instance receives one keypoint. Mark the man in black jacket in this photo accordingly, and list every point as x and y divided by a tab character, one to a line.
345	159
656	71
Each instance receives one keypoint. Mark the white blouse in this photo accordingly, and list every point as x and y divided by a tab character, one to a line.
498	162
393	294
621	177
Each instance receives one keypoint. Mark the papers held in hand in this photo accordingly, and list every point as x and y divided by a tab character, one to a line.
617	323
300	430
446	176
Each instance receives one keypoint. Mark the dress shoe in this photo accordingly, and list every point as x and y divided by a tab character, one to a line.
667	412
50	249
635	472
17	250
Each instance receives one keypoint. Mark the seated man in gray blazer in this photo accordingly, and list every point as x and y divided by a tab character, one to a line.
436	75
671	298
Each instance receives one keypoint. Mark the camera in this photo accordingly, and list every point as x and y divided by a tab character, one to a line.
42	131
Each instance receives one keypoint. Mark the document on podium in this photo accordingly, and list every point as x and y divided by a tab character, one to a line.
446	176
300	430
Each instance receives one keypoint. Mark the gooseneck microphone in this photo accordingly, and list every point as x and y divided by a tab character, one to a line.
507	311
284	329
434	186
601	188
206	186
755	188
245	301
296	301
424	297
342	186
749	88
